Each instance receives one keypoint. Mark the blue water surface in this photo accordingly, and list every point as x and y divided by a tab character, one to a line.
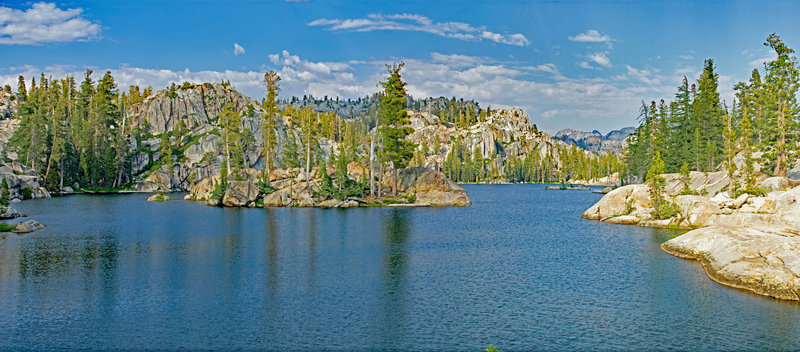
519	269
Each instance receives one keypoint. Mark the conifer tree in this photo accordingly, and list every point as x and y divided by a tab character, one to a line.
780	88
269	124
395	123
231	122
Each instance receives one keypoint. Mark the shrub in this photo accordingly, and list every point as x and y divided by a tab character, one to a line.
411	198
666	211
629	206
5	194
754	191
690	192
265	189
26	192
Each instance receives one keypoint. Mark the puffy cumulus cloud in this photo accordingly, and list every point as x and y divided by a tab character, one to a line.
45	23
600	59
591	36
595	61
420	23
238	49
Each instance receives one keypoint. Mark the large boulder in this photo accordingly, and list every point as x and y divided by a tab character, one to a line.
773	184
162	178
748	258
240	193
696	210
9	213
202	190
279	198
27	226
432	187
625	200
787	207
707	183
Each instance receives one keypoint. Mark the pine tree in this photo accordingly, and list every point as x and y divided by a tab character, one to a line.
309	127
395	123
730	149
269	124
781	84
709	116
657	184
231	122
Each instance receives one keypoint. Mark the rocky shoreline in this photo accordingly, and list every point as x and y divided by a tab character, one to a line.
294	188
748	242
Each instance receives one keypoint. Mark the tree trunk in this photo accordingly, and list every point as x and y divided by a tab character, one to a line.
380	179
267	169
372	165
394	186
780	168
308	162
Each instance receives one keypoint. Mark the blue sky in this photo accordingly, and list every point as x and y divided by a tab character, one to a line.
569	64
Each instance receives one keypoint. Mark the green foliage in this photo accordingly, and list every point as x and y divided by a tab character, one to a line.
662	209
340	191
628	206
411	198
666	211
290	156
696	130
5	194
691	192
754	191
208	158
492	349
219	191
265	189
684	173
7	227
394	122
26	192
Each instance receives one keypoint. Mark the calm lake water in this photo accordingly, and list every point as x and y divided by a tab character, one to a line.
519	269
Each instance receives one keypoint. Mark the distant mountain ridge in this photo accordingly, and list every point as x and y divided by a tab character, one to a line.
594	141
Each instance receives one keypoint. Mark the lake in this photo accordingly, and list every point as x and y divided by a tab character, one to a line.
519	269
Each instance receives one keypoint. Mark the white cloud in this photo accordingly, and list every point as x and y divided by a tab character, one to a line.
591	36
420	23
600	59
764	59
643	75
45	23
553	102
238	49
688	71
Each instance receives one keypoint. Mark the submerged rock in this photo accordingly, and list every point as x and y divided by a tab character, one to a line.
27	226
9	213
159	198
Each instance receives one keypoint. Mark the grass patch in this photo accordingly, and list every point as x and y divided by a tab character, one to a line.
6	227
